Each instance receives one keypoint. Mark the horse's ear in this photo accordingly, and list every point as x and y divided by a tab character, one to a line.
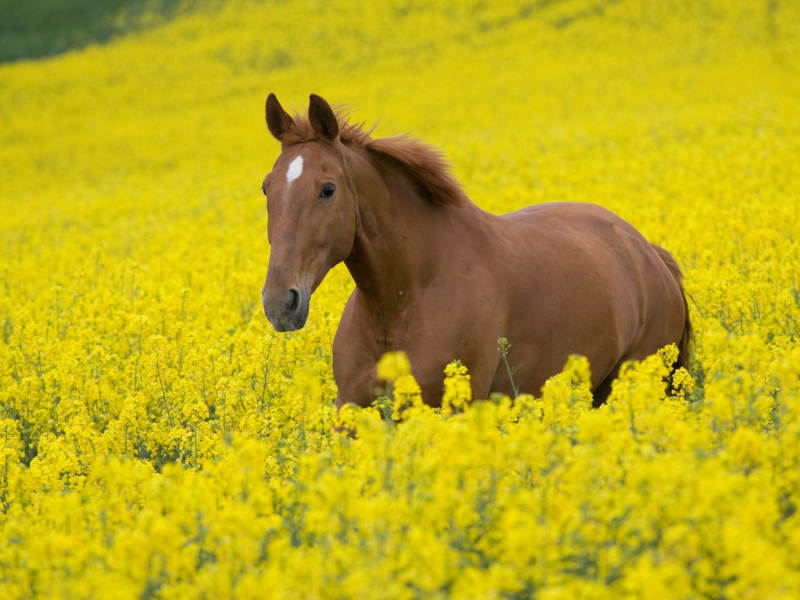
322	119
278	120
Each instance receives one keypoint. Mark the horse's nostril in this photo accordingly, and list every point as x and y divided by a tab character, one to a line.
294	299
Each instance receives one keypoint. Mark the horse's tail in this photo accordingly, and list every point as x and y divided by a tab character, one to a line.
687	338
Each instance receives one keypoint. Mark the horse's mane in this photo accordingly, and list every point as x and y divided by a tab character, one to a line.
424	165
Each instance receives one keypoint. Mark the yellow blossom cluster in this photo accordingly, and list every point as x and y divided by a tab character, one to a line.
159	440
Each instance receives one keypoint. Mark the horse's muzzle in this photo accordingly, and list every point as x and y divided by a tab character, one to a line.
286	310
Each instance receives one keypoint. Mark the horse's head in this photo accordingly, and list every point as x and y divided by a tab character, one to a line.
311	207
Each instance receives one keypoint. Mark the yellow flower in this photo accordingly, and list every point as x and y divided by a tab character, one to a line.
393	365
457	387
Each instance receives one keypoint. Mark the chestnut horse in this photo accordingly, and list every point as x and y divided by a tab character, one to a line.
441	279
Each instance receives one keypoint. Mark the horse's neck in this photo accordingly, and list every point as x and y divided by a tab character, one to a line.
395	248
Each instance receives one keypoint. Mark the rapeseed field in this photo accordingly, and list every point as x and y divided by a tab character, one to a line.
159	440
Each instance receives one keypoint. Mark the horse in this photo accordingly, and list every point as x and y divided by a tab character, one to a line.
441	279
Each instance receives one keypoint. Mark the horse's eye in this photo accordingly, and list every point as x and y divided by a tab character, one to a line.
264	189
327	191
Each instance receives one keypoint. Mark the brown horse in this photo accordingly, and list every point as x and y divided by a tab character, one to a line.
441	279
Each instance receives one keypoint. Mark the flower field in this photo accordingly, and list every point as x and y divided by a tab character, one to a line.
159	440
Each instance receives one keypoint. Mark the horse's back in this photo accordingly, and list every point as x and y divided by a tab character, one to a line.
585	242
581	238
567	219
588	282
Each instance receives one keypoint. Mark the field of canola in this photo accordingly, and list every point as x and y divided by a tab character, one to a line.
159	440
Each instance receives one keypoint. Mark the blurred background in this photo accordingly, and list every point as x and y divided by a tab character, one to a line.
40	28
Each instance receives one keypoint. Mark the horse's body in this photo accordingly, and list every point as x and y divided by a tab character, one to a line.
440	279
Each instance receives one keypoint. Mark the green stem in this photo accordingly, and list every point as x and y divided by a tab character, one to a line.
504	346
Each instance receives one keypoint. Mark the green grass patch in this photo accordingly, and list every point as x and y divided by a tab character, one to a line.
31	29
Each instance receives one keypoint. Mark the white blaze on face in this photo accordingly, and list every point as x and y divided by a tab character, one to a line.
295	170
